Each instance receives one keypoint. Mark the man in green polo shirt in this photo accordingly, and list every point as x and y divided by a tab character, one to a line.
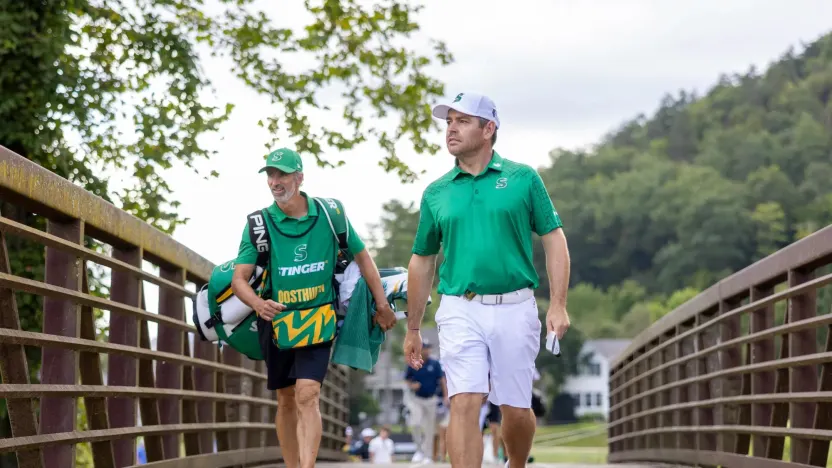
483	213
303	254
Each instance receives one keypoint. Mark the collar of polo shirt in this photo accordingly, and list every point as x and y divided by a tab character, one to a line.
280	216
496	164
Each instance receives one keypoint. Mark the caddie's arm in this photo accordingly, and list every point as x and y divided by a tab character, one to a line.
420	273
265	309
385	317
243	269
547	223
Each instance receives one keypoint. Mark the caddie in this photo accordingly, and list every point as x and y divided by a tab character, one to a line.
296	322
483	212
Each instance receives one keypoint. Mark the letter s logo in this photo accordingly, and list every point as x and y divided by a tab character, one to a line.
300	253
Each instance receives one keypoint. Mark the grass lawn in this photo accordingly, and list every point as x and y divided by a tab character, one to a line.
598	440
548	430
569	455
589	450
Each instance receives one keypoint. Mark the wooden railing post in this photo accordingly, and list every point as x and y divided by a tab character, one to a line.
761	382
123	370
802	378
169	374
60	366
14	369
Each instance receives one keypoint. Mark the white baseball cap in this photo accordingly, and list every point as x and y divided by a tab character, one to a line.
368	432
474	104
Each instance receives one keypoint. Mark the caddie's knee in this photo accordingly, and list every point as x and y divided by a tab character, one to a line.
307	394
286	399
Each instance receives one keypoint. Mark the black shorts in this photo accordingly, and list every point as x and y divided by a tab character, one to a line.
286	366
494	416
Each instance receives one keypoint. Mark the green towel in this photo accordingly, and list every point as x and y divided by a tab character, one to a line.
359	339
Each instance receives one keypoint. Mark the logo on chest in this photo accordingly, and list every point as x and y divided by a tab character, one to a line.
300	253
302	269
502	182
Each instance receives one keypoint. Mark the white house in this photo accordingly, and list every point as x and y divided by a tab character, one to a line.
591	387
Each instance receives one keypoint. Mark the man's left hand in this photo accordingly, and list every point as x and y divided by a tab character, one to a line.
557	320
385	317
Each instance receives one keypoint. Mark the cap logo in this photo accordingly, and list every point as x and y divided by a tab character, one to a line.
458	97
277	156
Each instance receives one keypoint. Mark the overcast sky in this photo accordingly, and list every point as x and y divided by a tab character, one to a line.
562	73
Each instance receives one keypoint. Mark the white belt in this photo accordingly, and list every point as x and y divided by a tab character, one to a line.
514	297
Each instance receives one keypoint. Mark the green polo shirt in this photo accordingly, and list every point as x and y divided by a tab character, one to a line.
485	224
303	252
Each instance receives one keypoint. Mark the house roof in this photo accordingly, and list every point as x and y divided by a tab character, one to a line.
609	348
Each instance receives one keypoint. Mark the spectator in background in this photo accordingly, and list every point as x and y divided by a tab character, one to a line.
348	435
424	384
382	448
361	448
141	454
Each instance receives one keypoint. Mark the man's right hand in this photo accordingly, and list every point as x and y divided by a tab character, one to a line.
415	386
268	308
413	349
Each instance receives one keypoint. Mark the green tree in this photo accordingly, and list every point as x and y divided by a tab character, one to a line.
89	88
89	69
770	225
397	230
705	186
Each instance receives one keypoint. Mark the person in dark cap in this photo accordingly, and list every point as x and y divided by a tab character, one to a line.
424	385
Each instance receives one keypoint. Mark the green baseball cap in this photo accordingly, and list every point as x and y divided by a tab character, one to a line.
284	159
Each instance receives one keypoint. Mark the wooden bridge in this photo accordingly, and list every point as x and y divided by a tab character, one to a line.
738	376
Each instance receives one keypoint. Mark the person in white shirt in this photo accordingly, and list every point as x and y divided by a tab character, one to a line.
382	448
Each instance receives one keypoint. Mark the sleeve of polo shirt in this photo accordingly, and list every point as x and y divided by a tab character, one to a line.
545	218
247	253
428	239
354	243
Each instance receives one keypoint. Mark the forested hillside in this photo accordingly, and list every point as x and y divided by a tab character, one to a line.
667	205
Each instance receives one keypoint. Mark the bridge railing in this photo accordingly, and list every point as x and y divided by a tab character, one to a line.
741	375
189	401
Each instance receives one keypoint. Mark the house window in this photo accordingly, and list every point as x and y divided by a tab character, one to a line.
598	399
588	400
594	369
576	399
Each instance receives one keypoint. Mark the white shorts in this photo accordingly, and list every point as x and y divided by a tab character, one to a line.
476	338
